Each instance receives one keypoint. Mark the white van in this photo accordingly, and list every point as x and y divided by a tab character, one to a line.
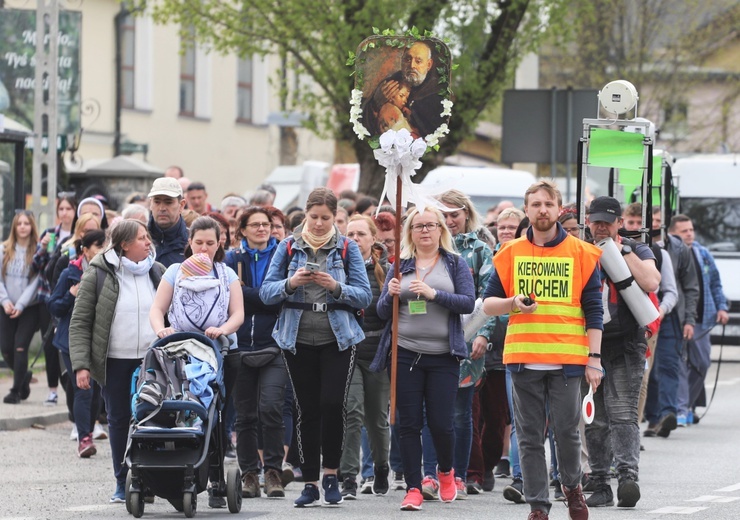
485	186
709	193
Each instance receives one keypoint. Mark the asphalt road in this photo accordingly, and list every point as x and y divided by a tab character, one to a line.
694	474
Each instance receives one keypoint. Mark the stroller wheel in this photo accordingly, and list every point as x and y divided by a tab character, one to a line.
137	504
189	504
234	490
128	492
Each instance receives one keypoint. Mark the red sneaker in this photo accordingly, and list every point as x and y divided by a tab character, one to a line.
576	502
86	448
412	501
447	487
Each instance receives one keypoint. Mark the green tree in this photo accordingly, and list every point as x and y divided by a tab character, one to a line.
486	39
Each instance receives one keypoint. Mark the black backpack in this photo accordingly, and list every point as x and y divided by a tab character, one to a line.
160	378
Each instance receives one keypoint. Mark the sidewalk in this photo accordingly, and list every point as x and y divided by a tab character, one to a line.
31	411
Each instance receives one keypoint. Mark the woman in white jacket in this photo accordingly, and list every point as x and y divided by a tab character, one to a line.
18	288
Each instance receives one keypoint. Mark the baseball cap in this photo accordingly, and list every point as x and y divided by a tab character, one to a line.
166	186
604	209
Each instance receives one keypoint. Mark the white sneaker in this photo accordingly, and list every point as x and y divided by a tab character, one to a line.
99	432
73	436
51	400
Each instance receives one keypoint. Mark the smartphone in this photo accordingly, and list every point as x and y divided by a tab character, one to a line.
312	267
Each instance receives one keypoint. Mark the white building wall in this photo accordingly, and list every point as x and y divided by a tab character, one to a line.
211	147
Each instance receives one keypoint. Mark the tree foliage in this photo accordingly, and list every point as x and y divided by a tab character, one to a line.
665	49
486	38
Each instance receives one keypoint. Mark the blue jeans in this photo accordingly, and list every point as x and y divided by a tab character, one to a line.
662	397
516	469
426	382
84	412
367	456
614	433
117	395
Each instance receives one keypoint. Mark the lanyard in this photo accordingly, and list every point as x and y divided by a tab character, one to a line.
430	268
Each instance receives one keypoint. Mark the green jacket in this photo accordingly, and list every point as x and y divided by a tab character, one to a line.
92	316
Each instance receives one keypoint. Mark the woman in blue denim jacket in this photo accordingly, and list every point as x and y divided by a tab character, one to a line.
435	288
320	278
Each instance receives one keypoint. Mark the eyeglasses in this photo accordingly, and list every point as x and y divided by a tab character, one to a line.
257	225
507	228
431	226
358	234
389	242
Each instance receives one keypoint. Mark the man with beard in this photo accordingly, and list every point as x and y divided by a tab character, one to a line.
614	433
548	282
424	101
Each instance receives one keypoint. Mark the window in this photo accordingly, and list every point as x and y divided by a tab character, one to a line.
187	76
244	91
128	62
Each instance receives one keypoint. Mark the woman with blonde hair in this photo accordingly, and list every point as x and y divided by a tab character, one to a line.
18	289
434	289
70	249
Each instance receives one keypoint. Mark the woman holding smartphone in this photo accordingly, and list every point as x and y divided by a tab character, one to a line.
320	278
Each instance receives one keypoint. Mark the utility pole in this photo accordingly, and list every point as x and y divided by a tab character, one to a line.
45	110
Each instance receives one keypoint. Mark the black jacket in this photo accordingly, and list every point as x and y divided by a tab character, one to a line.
170	243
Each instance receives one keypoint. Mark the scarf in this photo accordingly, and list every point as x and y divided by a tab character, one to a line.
317	242
139	268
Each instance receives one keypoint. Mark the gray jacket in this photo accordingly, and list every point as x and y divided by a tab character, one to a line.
686	280
18	286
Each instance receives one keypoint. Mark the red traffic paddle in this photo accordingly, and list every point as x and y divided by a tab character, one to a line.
588	409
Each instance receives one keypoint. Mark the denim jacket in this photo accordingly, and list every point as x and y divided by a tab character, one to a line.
462	301
355	292
714	296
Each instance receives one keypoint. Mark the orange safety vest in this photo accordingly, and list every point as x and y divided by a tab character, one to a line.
556	332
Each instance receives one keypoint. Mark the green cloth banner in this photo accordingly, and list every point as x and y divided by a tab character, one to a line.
615	149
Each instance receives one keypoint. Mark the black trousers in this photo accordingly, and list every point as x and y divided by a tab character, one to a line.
321	376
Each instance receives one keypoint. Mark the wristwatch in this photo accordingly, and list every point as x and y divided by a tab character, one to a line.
626	249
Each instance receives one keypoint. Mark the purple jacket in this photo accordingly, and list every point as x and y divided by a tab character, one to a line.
462	301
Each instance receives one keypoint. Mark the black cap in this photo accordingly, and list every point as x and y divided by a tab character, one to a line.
604	209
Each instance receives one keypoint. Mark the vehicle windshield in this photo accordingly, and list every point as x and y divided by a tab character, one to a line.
716	222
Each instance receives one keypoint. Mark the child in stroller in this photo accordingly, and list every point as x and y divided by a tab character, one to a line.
176	438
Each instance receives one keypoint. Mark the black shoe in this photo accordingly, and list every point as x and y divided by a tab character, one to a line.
559	495
588	484
349	488
489	481
514	492
380	483
650	431
26	386
503	469
215	502
628	493
667	424
601	497
12	398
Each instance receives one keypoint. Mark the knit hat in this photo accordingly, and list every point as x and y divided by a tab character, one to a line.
196	265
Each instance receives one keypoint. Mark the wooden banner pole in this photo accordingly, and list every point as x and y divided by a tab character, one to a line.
396	301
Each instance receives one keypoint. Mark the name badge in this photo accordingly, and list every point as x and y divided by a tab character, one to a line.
417	307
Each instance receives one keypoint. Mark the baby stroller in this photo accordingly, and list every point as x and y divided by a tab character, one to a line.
176	438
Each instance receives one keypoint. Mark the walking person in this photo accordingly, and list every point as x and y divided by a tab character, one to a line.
48	241
60	305
260	376
109	332
614	434
369	391
547	281
320	278
435	288
202	295
20	313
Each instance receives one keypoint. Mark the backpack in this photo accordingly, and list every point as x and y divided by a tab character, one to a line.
358	313
160	378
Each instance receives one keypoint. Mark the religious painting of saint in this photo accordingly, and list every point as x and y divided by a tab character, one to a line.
404	81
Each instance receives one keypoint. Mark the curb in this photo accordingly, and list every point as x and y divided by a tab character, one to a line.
20	423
